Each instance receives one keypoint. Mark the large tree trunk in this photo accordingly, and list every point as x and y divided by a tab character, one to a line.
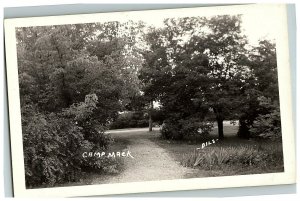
220	128
150	116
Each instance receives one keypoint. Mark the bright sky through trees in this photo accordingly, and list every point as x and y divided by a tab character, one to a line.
255	27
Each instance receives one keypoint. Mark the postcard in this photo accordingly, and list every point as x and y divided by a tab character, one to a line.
148	101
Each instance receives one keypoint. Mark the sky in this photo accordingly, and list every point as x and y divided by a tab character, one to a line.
260	26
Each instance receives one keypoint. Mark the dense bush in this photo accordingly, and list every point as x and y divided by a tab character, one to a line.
267	125
130	120
170	130
54	143
177	130
51	148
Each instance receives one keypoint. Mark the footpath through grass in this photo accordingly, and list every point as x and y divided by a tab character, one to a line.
231	156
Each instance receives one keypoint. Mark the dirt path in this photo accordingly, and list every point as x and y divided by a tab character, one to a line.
150	161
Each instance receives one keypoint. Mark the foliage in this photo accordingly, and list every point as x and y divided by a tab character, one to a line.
83	110
54	143
205	66
260	114
267	125
52	147
70	91
58	66
225	48
179	129
130	120
76	80
195	67
243	156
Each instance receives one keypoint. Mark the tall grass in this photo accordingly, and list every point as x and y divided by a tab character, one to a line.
218	157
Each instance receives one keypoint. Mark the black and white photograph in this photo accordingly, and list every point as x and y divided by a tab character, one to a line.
150	96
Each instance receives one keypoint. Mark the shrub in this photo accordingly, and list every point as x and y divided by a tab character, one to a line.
54	143
130	120
51	149
267	125
82	113
170	130
177	130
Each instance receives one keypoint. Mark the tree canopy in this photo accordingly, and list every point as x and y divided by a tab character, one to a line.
199	66
75	81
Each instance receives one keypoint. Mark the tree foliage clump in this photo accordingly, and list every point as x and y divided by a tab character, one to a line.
51	148
260	113
70	90
195	68
54	143
130	120
267	125
182	128
203	69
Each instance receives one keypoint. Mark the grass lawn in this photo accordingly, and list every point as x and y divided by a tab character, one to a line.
231	156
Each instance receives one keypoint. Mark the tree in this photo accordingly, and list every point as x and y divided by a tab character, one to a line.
197	64
170	82
116	46
65	63
261	108
69	93
225	48
154	61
